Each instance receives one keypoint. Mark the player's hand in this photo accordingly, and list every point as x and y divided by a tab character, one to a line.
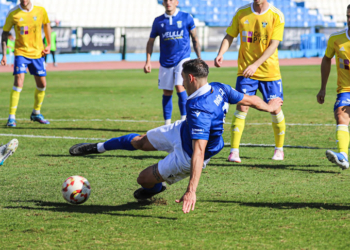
4	61
147	68
46	51
275	104
218	61
189	200
320	96
250	71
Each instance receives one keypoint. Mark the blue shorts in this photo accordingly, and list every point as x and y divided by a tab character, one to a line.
36	66
343	99
269	90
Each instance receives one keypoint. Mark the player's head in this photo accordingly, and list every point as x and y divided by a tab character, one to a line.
260	1
195	74
170	5
348	15
25	3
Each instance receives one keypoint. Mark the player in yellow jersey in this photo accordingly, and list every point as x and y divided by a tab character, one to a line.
27	20
260	26
339	45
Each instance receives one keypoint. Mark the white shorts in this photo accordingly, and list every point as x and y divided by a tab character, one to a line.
169	77
177	165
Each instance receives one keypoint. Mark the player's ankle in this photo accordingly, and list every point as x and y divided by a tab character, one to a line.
278	148
344	154
36	112
100	147
12	117
234	150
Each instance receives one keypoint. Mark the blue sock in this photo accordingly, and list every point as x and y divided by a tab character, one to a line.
123	142
155	189
167	107
182	102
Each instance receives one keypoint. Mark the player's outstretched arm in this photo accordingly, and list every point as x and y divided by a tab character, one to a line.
149	51
195	42
325	71
4	38
47	31
189	198
225	45
257	103
251	69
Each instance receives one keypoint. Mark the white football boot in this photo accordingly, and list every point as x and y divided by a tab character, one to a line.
7	150
234	157
337	158
278	155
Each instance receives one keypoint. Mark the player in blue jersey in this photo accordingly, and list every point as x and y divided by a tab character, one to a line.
174	29
190	143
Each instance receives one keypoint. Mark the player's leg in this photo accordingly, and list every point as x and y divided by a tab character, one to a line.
20	69
38	69
342	117
7	150
166	83
181	92
53	53
249	87
271	90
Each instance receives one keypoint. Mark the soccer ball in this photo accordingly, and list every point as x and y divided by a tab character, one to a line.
76	189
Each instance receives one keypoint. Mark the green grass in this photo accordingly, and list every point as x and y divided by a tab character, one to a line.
300	203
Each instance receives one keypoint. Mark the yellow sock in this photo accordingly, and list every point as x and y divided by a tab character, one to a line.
14	99
38	99
237	127
279	129
343	138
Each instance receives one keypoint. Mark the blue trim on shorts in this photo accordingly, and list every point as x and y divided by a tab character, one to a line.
269	89
343	99
36	66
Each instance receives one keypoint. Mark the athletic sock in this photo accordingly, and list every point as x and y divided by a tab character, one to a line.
167	107
38	99
343	138
237	127
14	99
279	129
156	189
182	103
123	142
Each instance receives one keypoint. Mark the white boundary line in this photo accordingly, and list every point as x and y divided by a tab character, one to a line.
104	139
147	121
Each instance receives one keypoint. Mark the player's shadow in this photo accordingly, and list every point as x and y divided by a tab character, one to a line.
286	205
280	167
87	129
97	156
89	209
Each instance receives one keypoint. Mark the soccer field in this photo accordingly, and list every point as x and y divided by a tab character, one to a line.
300	203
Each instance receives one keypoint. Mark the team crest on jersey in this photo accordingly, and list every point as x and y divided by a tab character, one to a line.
264	24
162	25
344	63
179	24
35	18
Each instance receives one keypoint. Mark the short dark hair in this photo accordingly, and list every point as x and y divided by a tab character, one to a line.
349	6
196	67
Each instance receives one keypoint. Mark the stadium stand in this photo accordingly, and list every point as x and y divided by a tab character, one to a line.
5	6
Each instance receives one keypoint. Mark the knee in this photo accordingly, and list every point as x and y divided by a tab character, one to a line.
167	92
242	108
141	180
138	142
19	79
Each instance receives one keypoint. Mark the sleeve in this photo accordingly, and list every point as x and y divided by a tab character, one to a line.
233	95
8	24
191	24
199	123
154	32
46	19
233	29
330	51
278	30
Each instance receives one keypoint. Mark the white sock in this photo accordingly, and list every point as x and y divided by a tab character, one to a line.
100	147
12	116
345	155
167	122
276	148
234	150
183	117
36	112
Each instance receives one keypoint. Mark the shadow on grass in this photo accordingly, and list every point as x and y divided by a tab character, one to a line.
287	205
91	209
82	129
282	167
98	156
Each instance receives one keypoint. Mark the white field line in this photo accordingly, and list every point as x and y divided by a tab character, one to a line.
104	139
147	121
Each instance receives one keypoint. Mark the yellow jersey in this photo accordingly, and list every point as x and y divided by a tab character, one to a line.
339	45
256	32
28	25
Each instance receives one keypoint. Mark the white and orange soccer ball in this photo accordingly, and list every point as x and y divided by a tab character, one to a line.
76	189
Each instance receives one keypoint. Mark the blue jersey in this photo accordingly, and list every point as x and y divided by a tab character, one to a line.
206	112
174	33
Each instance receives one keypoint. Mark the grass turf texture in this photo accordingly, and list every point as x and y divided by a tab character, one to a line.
300	203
